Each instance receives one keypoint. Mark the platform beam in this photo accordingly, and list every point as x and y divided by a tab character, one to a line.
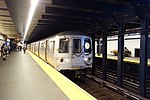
143	56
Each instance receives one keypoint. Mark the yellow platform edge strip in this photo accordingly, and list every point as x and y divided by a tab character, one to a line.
70	89
125	60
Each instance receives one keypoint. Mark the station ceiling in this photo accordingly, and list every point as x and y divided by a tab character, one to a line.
89	16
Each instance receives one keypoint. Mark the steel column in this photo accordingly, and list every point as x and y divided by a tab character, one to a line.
143	56
93	47
120	54
104	54
98	46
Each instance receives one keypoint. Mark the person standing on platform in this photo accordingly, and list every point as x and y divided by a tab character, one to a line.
126	49
24	49
4	51
1	51
9	49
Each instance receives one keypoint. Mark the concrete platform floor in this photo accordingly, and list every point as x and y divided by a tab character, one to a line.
21	78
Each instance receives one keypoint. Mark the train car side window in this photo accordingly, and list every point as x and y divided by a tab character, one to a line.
87	46
64	45
77	45
42	46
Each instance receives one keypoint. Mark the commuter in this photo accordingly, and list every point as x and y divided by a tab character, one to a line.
126	50
4	51
8	49
1	52
24	49
19	46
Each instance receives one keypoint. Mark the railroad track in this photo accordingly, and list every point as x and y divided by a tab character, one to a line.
103	90
130	82
98	90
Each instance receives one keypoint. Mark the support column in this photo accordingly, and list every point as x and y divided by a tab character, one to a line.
98	47
93	46
143	56
120	54
104	54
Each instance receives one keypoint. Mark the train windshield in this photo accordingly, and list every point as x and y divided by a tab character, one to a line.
87	46
64	45
77	45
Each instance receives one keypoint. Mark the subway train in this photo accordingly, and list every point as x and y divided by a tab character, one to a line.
68	50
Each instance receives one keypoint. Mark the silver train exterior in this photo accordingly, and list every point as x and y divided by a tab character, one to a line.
67	50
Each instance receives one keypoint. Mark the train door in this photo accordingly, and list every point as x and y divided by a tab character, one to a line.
38	48
46	50
64	53
77	52
42	49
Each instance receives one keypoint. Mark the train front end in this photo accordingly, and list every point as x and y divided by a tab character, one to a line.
75	53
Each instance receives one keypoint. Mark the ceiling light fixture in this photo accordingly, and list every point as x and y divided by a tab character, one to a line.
31	13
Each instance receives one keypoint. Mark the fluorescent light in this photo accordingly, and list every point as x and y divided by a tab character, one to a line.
31	13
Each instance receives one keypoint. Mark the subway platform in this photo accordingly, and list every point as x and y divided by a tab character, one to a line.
26	77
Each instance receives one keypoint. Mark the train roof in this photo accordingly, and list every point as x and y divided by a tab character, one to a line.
65	33
71	33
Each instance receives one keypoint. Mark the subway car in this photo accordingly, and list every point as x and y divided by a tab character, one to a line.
68	50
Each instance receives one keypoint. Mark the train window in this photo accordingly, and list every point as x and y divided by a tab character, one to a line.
64	45
43	46
87	46
77	45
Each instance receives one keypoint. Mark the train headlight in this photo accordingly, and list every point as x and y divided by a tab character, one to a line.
88	61
85	59
67	60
